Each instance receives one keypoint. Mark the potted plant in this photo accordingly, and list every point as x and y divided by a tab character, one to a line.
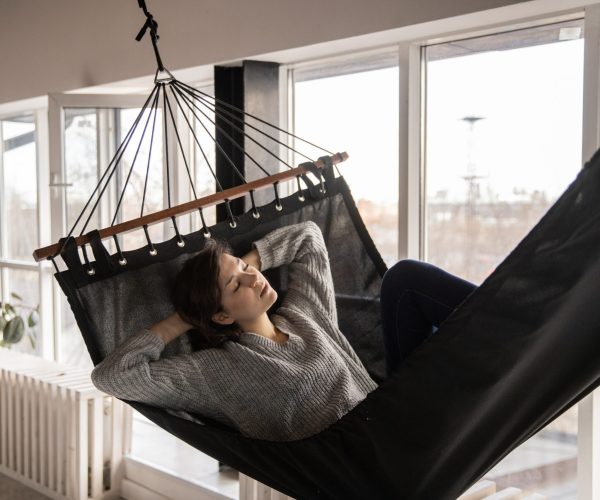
14	327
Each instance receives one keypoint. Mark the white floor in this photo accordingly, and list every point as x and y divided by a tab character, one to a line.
539	461
152	444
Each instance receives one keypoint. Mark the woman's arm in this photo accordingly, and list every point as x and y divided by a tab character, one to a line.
170	328
135	370
252	258
303	248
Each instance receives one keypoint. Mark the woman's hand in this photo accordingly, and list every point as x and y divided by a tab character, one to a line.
252	258
171	327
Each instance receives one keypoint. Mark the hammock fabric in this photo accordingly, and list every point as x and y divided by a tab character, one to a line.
518	352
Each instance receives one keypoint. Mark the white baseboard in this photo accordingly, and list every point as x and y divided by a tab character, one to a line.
145	481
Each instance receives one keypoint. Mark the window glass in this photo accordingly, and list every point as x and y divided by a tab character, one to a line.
88	132
81	166
356	111
503	142
145	180
204	157
81	176
25	284
19	164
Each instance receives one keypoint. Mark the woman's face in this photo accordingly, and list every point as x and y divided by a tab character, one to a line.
245	292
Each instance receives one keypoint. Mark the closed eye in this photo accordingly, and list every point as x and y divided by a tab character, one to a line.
238	285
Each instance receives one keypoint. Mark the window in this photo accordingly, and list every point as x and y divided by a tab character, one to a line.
93	129
352	105
504	134
18	202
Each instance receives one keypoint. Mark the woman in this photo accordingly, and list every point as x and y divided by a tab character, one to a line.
281	377
416	298
276	377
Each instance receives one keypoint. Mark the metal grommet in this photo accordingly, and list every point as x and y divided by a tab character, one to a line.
232	223
153	251
322	190
91	271
301	197
207	234
123	261
181	242
278	207
255	212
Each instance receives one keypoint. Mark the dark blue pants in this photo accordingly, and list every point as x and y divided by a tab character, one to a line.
416	297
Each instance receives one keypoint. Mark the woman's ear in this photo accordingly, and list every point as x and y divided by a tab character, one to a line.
222	318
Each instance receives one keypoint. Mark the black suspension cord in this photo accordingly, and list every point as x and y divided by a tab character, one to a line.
151	25
233	142
112	167
167	105
238	128
219	147
150	156
178	89
221	115
230	106
154	103
190	126
202	100
206	230
166	142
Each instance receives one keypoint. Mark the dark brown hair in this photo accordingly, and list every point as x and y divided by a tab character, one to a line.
197	296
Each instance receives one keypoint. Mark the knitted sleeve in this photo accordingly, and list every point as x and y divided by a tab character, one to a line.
303	248
135	371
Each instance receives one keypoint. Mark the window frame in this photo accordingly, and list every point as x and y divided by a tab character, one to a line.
37	108
57	102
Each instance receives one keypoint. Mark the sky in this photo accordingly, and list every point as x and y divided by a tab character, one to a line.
529	138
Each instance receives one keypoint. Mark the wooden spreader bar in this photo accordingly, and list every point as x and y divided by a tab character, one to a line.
184	208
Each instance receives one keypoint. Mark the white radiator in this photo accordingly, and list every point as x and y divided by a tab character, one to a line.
59	434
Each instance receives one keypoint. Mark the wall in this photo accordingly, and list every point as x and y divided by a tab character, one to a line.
59	45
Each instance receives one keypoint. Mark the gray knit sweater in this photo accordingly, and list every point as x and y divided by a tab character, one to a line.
264	389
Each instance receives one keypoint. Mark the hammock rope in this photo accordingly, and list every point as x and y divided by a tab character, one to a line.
189	100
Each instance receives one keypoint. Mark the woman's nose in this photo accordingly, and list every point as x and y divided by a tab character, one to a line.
251	278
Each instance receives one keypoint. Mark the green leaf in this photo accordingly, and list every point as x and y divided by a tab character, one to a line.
2	323
32	340
16	296
11	309
32	319
14	330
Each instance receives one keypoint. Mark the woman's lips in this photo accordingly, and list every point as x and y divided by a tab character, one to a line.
265	287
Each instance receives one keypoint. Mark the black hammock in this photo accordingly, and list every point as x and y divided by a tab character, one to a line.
526	339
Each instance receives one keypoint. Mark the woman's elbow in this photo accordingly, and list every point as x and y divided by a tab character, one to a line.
100	379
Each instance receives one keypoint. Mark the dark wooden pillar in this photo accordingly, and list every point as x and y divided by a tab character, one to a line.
252	86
